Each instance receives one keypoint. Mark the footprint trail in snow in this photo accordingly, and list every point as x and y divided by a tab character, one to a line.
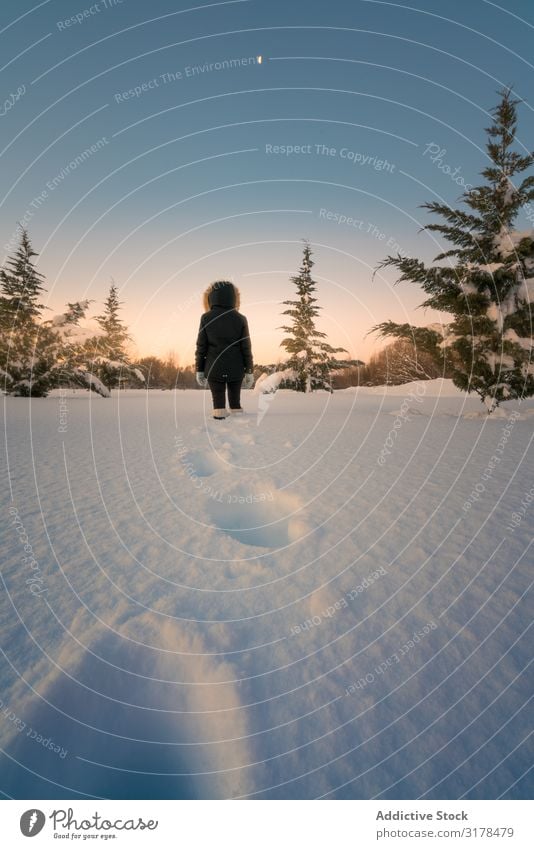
247	507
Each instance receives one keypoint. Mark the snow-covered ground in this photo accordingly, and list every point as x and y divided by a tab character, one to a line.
325	597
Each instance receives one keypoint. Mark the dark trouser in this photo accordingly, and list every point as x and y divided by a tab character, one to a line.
218	391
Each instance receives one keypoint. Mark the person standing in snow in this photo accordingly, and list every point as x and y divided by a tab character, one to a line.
224	353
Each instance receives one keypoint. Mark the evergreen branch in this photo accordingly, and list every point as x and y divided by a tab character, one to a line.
456	217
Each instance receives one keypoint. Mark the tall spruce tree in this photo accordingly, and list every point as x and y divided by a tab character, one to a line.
37	355
111	361
488	284
73	350
22	287
25	356
310	358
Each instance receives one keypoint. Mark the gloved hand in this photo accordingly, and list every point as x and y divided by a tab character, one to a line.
201	380
248	381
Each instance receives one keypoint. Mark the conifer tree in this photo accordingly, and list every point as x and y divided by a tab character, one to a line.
22	287
488	284
111	361
37	355
72	347
24	349
310	358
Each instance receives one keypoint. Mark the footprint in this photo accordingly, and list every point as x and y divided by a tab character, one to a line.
259	515
224	442
201	464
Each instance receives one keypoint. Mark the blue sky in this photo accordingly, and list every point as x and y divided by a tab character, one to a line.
190	178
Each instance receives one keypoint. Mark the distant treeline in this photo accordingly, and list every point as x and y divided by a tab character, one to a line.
399	362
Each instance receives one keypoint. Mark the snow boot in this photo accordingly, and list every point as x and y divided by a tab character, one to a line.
220	414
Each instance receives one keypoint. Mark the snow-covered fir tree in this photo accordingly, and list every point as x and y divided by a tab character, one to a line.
110	358
488	284
310	359
73	346
25	357
38	355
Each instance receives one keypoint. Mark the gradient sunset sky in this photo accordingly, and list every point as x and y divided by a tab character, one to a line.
184	184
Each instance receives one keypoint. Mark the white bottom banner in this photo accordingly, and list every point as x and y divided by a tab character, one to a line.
263	825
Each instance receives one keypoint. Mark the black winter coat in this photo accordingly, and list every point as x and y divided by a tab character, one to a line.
223	349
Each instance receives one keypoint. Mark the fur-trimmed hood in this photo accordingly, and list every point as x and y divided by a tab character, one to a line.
221	293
